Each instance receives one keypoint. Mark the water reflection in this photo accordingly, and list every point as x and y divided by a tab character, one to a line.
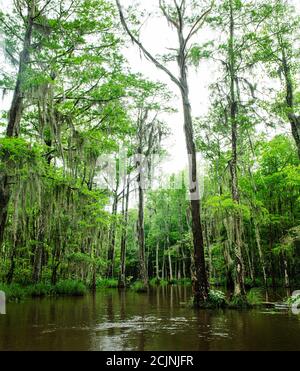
159	320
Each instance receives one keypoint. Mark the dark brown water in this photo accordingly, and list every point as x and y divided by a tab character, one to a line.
114	320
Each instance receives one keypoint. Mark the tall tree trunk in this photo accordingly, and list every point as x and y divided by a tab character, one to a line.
271	241
143	266
178	270
122	278
14	117
167	231
39	249
170	267
207	239
112	239
181	229
250	265
163	264
37	264
286	274
183	263
257	231
57	252
112	232
239	287
260	252
10	274
157	261
200	284
141	237
290	100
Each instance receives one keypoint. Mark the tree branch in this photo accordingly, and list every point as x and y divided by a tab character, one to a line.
197	25
168	17
180	15
144	50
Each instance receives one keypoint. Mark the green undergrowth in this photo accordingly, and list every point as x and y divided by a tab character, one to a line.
295	299
239	302
162	282
217	300
139	286
70	287
16	292
107	283
255	297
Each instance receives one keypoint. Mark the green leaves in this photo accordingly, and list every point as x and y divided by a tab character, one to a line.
198	53
225	205
19	157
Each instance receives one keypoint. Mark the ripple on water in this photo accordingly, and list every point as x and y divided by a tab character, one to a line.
149	323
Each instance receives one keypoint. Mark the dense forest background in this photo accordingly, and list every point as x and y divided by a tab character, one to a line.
80	198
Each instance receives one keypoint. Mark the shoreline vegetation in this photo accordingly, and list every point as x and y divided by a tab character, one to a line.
217	299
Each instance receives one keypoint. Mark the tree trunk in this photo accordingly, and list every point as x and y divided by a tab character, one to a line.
39	236
178	270
208	248
286	274
289	85
295	126
37	264
14	119
170	267
10	274
181	229
200	284
157	261
141	236
239	287
163	265
122	278
112	239
54	274
260	253
250	266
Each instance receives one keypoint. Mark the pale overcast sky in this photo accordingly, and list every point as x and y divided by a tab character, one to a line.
156	36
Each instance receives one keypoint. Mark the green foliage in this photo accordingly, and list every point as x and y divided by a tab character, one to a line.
138	286
184	281
293	300
225	204
216	299
13	292
107	283
40	290
198	53
255	297
65	288
17	152
70	287
239	302
154	282
163	282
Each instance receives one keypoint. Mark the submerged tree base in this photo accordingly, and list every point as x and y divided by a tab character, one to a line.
217	299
